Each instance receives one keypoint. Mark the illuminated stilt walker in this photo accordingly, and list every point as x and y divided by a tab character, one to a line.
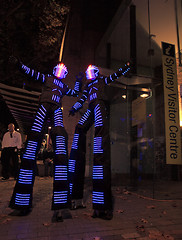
96	114
50	106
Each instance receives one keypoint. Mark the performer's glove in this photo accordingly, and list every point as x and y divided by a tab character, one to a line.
13	60
72	111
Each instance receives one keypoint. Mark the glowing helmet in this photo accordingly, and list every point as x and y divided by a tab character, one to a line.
60	71
92	72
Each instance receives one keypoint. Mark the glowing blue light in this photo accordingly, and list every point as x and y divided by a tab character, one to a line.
22	199
71	187
93	96
39	119
60	173
60	71
27	69
58	83
98	172
56	98
98	116
60	145
77	86
75	141
77	105
30	150
60	197
92	72
84	117
71	165
25	176
98	145
58	118
98	197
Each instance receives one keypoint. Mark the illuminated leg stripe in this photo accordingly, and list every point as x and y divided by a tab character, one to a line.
98	197
60	145
84	117
60	173
30	150
71	165
25	176
75	141
39	119
98	172
58	118
98	116
60	197
98	145
71	187
22	199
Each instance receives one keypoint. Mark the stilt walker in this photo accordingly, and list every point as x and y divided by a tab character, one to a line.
96	114
50	106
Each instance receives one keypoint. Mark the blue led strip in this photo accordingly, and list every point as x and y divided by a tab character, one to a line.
25	176
60	197
98	197
75	141
22	199
60	173
60	145
71	165
84	117
98	145
58	83
58	118
77	105
98	116
98	172
30	150
25	68
77	86
71	187
56	98
39	119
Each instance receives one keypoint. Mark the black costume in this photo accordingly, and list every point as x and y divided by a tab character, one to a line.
97	114
50	106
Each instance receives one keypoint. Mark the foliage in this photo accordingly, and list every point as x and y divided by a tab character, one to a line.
31	30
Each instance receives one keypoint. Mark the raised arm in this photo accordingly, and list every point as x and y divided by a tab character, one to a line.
121	71
79	104
78	86
35	75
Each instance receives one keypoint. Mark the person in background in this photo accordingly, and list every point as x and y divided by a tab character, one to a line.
11	145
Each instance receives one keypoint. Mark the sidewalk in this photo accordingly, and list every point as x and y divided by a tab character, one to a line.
135	217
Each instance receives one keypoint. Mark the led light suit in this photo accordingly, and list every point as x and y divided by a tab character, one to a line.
50	107
96	114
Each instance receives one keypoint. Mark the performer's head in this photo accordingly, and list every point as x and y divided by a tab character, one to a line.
60	71
92	72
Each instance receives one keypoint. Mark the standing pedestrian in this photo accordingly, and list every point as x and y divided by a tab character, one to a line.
11	145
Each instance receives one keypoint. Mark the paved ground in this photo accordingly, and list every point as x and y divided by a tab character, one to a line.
136	216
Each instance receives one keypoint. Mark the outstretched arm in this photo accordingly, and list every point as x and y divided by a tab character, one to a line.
26	70
121	71
79	104
78	86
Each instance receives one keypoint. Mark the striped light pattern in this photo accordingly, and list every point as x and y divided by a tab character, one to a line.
98	116
25	176
58	118
22	199
39	119
71	187
60	173
98	197
60	197
84	117
60	145
56	98
77	86
58	83
75	141
98	145
77	105
30	150
98	172
71	165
